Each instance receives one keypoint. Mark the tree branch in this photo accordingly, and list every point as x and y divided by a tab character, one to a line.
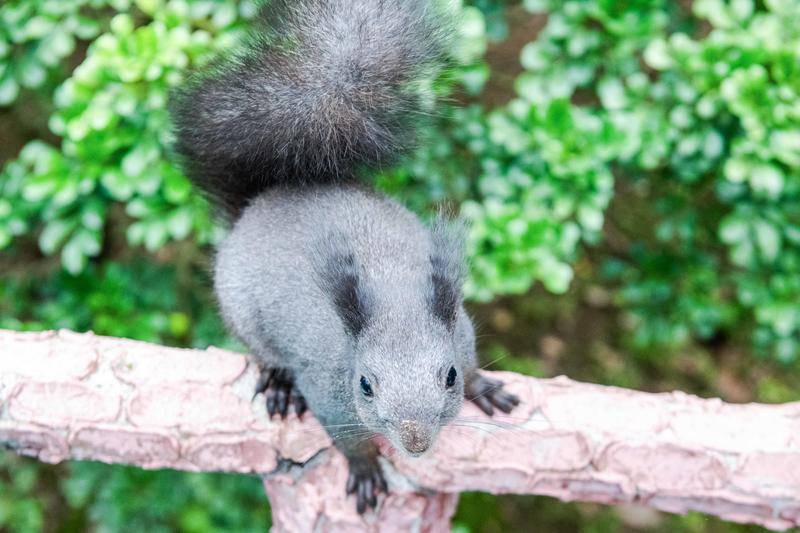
79	396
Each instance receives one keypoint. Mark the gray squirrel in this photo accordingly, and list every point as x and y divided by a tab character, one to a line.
349	303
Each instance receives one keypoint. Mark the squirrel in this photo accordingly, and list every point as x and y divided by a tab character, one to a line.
351	306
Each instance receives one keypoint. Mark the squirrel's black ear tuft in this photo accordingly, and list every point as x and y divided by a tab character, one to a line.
340	277
447	270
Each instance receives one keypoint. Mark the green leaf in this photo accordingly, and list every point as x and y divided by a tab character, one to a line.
557	277
5	208
37	188
657	55
742	9
54	234
135	233
88	241
180	224
590	218
9	90
73	258
122	24
137	160
155	235
733	230
31	74
119	186
176	188
768	238
612	93
224	15
93	215
60	44
5	237
767	179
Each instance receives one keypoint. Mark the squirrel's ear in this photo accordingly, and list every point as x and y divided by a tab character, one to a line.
447	270
340	277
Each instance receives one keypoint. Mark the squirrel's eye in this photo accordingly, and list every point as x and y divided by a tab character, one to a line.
451	377
366	388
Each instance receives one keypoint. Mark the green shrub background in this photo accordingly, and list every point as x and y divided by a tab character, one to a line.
630	169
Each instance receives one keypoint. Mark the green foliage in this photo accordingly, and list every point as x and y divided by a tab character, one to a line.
130	499
693	117
728	175
647	147
111	116
165	308
20	510
38	36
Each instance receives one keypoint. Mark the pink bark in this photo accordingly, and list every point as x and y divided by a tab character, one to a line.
79	396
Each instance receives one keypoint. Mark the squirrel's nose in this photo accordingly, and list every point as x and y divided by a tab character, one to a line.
416	438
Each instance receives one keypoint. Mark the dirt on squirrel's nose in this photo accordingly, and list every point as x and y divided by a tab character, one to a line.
416	438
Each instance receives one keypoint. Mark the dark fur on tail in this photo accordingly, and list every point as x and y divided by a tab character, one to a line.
322	89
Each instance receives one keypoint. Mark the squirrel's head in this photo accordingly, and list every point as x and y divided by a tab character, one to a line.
407	380
408	340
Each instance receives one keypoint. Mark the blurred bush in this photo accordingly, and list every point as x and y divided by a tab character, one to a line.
648	147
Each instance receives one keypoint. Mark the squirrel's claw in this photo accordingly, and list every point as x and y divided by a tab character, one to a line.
278	386
366	481
261	384
298	401
484	405
488	393
505	401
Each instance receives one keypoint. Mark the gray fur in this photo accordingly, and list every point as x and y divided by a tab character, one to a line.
271	295
322	89
322	279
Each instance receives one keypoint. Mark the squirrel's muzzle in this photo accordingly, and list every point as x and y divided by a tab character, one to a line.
415	437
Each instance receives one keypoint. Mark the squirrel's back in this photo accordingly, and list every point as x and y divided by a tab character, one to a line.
322	89
267	267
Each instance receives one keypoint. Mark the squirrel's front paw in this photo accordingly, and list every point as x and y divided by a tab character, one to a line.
366	480
278	386
488	393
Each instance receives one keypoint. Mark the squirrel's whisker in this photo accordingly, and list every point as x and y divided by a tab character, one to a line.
494	361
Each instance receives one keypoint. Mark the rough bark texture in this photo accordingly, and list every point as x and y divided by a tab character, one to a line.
78	396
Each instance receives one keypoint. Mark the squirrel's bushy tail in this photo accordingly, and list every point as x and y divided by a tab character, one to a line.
322	88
